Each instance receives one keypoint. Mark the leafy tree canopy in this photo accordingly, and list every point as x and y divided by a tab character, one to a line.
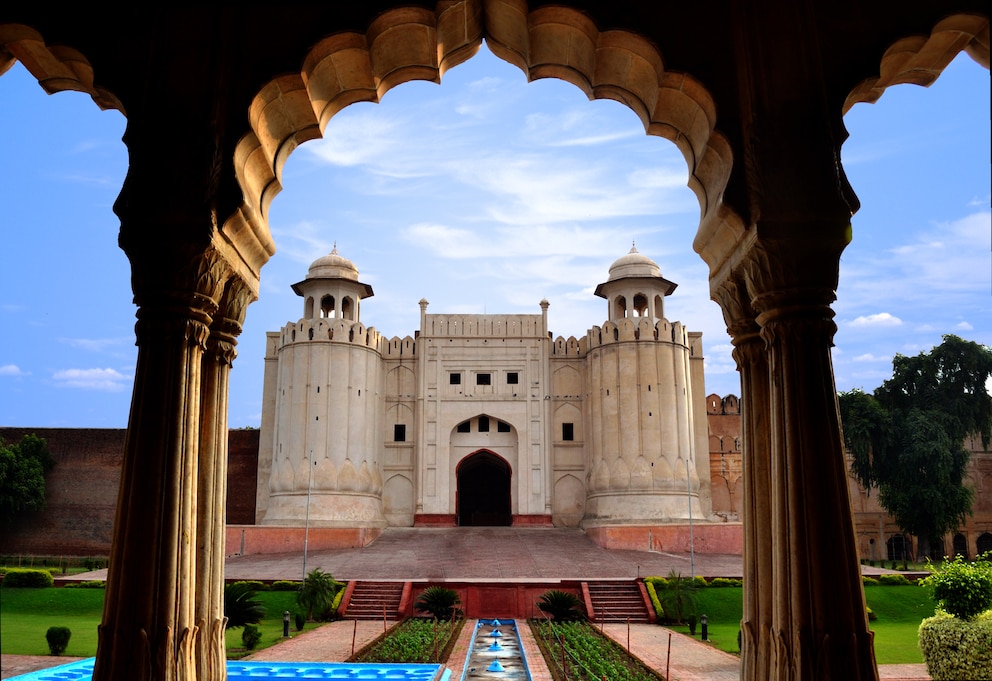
907	438
22	476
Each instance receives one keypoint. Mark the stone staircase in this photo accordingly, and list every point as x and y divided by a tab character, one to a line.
373	600
616	601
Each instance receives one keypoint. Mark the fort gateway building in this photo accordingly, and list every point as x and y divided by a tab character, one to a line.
484	419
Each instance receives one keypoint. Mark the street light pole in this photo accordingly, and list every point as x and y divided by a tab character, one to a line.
692	552
306	532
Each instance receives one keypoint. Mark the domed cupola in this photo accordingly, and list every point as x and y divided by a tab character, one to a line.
332	289
635	287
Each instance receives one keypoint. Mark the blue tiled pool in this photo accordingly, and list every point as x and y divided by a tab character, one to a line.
237	671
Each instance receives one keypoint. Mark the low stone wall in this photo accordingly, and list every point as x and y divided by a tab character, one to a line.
704	537
247	540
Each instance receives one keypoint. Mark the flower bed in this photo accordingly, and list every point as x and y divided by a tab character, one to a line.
587	655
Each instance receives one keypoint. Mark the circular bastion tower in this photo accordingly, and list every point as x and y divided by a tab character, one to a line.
643	383
325	429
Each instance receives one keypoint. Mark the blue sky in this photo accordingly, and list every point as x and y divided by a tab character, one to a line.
483	194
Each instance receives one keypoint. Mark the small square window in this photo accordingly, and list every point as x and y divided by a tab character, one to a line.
502	427
465	427
567	431
483	424
483	379
512	378
454	378
399	432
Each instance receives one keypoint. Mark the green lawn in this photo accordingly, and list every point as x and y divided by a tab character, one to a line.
26	614
899	609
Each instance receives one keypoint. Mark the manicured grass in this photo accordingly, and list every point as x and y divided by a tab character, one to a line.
899	611
276	603
26	614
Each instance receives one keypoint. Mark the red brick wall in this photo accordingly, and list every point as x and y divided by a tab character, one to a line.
81	490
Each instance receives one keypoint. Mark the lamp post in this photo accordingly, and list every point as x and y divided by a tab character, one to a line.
688	489
306	531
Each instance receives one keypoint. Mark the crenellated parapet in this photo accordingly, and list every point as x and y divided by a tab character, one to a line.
333	331
397	348
571	347
639	329
484	326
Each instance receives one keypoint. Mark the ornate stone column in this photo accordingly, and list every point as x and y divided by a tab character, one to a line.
756	626
819	624
196	252
149	624
211	659
804	610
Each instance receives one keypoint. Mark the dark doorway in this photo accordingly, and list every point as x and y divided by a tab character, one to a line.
483	490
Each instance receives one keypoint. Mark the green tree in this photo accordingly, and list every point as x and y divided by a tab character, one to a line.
907	438
241	606
678	596
22	476
317	592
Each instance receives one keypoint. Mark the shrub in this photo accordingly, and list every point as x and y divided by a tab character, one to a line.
25	578
960	588
241	607
957	649
659	582
725	582
893	580
336	603
869	581
649	585
561	605
317	592
58	639
91	584
254	584
250	636
285	585
678	597
871	614
700	582
692	621
300	620
439	601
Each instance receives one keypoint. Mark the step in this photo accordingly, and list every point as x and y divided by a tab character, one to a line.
616	601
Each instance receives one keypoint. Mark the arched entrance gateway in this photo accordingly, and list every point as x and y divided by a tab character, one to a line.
216	98
483	491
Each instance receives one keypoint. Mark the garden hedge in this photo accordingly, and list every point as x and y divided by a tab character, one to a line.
954	648
26	578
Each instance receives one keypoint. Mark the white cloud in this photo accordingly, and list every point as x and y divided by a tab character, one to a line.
12	370
353	140
882	319
868	357
964	326
109	380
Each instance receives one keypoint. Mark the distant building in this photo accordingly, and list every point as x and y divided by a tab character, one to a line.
485	419
879	536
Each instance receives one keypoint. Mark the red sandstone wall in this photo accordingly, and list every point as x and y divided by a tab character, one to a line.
81	490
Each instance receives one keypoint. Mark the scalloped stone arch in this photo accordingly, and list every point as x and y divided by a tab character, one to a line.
419	44
921	59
